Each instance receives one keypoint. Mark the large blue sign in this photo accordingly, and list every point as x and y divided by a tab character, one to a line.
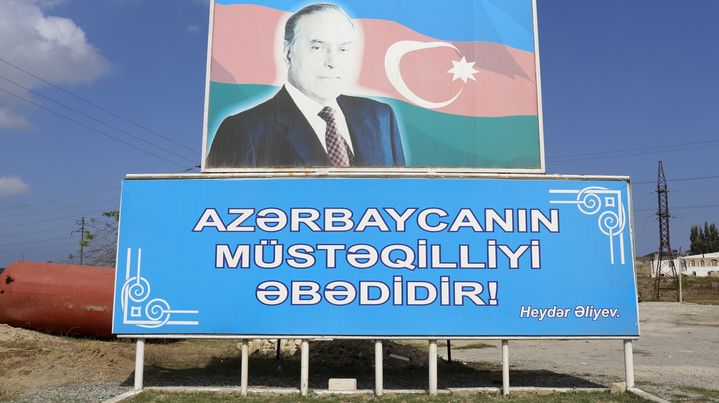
376	257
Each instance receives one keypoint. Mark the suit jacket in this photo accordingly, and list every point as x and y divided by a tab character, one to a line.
276	134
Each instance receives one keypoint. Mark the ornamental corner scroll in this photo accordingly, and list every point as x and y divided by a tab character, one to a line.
137	307
607	205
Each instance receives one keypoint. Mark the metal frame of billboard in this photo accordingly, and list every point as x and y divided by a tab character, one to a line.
453	171
627	341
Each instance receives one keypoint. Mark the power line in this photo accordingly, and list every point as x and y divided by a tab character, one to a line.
697	206
54	219
45	246
96	105
88	116
2	246
91	128
633	149
43	231
60	208
621	154
694	178
60	199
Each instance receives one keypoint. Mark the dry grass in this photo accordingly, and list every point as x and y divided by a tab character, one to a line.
698	290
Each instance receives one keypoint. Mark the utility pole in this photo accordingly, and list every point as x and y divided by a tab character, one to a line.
666	274
81	223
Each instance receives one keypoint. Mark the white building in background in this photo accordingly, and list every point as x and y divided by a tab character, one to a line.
695	265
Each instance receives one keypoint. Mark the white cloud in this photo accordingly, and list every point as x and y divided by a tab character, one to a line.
50	3
11	120
11	186
54	48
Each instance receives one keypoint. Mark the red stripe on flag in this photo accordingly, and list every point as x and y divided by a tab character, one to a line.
504	84
244	46
247	43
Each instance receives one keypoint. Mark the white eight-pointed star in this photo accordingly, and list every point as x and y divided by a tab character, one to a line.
463	70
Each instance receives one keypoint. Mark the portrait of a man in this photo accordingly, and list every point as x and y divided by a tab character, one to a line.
310	121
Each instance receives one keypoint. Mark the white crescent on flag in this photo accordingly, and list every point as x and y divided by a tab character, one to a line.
391	66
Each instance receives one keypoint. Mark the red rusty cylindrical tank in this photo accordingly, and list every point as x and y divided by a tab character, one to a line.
58	298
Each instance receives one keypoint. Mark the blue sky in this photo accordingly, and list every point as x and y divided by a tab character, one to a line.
625	84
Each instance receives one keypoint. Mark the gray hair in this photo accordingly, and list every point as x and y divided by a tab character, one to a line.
291	25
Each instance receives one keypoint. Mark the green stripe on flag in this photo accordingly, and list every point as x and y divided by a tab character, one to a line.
431	139
435	139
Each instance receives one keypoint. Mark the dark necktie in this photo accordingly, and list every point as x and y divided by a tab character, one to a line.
336	146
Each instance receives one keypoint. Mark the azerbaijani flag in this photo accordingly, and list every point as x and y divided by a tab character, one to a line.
461	75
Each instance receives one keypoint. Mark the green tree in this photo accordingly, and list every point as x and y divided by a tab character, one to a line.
704	239
713	238
696	244
100	240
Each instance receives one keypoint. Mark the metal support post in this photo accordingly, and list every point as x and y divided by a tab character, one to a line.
244	366
305	367
378	374
629	363
139	363
505	367
433	367
681	296
449	351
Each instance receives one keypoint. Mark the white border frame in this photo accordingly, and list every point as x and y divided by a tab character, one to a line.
537	71
208	70
372	173
356	173
117	253
540	119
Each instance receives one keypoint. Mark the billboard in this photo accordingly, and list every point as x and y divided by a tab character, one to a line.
442	257
373	83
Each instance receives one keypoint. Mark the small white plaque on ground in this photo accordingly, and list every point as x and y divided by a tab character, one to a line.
342	384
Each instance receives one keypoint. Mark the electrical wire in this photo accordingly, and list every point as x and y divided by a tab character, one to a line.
95	105
43	231
45	246
691	178
61	208
88	116
60	199
619	154
91	128
553	157
55	219
697	206
33	241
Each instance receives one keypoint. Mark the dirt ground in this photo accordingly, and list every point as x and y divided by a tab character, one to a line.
30	360
676	355
678	350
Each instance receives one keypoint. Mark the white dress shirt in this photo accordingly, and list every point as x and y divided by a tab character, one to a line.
311	109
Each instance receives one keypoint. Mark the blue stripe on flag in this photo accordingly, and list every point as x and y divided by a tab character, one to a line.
508	22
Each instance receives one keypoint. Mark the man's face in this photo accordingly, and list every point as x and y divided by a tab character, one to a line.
321	59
